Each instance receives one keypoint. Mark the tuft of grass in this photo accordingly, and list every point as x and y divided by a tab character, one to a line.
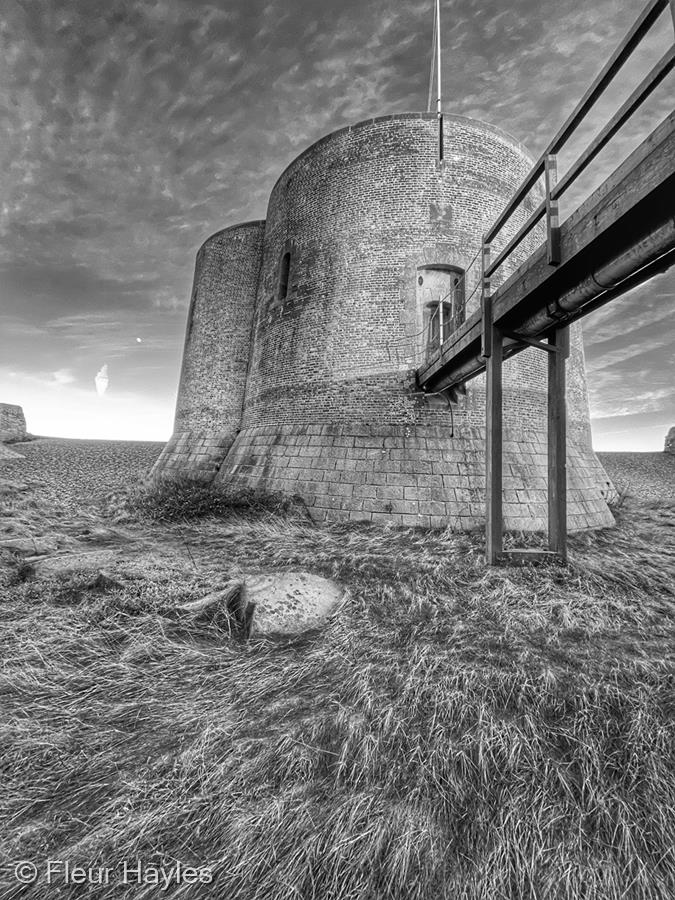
168	500
458	732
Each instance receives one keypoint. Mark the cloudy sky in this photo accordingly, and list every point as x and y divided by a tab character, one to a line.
133	129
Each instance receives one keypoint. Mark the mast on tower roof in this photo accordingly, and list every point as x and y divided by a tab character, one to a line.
436	62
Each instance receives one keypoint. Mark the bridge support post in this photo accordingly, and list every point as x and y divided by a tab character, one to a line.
494	528
494	543
492	351
557	443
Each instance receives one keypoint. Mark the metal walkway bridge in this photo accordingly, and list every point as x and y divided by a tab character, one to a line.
621	236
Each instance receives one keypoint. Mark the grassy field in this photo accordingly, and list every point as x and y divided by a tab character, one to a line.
457	732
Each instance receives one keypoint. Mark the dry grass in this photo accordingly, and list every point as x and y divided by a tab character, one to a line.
459	732
183	499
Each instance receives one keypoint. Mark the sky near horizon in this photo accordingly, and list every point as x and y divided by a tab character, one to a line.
134	129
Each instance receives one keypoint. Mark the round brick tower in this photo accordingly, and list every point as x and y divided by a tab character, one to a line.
215	354
369	251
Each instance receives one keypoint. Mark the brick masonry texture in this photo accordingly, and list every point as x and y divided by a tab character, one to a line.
12	422
309	387
216	353
412	475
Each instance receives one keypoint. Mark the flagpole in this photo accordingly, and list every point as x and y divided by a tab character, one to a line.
438	79
438	55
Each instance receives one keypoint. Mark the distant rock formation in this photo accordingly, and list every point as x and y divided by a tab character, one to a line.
670	442
12	423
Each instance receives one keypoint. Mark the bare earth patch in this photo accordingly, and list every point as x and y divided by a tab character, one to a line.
455	732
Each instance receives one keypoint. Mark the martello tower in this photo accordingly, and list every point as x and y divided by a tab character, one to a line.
306	329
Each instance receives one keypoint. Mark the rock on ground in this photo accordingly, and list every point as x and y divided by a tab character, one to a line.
74	563
224	603
285	603
27	545
290	602
12	422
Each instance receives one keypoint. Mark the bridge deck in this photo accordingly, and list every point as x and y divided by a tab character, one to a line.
623	234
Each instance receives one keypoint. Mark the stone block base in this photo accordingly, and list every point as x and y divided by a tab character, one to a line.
196	455
411	475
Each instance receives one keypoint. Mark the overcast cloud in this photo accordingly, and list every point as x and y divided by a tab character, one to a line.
133	129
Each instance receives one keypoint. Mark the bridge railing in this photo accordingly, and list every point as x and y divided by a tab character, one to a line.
546	165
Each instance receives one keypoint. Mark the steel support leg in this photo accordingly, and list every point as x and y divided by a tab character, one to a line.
557	444
493	460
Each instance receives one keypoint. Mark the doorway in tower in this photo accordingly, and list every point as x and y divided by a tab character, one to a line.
440	299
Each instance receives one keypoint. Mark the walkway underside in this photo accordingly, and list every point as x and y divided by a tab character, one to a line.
620	237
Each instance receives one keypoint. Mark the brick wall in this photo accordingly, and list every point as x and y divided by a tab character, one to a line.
362	210
413	475
216	353
335	345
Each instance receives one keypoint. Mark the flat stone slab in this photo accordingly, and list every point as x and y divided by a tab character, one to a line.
72	563
27	545
290	602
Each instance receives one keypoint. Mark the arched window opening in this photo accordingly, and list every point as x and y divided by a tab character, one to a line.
284	271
